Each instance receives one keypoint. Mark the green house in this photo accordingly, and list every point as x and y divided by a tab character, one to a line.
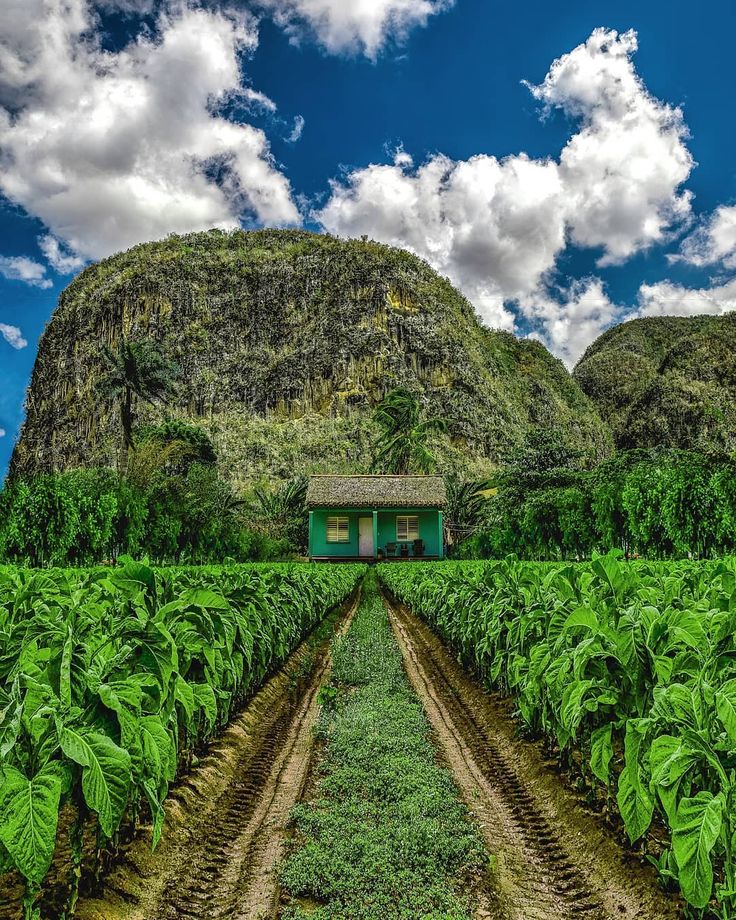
375	517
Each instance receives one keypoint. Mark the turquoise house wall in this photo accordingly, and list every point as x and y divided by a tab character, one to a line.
318	545
430	530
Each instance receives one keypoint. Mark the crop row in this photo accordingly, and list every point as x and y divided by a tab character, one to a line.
110	679
632	664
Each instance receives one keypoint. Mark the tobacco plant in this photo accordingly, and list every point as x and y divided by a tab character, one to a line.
111	678
634	664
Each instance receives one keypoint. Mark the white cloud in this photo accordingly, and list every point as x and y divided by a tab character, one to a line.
13	336
353	26
21	268
668	299
297	130
622	170
112	148
496	227
59	258
575	320
714	241
127	6
3	432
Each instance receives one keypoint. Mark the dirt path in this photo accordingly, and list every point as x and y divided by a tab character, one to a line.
226	824
552	859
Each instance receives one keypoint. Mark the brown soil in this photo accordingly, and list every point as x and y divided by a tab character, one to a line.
551	857
226	824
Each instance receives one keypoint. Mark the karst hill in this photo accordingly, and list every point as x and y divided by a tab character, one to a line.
285	341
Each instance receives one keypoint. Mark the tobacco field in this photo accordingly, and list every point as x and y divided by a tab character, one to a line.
111	679
632	665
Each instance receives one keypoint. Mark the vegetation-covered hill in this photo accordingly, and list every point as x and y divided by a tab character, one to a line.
286	340
666	381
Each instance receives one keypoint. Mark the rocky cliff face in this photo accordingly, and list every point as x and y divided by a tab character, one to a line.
666	381
286	340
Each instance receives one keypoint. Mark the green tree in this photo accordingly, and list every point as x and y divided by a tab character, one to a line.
136	369
194	444
281	512
466	502
403	443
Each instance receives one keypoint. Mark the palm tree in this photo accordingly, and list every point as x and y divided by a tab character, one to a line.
136	368
281	511
466	500
402	444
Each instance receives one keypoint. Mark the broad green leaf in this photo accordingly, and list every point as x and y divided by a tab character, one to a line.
634	798
106	773
584	618
157	812
572	710
601	752
204	696
669	761
726	707
159	754
696	830
185	697
29	814
202	597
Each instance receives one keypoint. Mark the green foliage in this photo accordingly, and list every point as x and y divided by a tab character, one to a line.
198	447
280	511
86	517
403	443
667	381
466	503
651	503
137	368
609	657
111	678
386	836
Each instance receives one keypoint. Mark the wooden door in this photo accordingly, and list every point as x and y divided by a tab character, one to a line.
365	536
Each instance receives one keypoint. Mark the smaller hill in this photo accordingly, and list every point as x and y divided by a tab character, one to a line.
665	381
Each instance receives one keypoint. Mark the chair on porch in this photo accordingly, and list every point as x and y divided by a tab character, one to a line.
419	548
390	549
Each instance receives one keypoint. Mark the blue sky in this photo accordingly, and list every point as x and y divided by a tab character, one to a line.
605	193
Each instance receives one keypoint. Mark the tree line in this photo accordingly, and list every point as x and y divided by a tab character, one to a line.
659	503
167	501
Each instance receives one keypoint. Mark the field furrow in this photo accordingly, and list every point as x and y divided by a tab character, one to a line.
551	859
228	830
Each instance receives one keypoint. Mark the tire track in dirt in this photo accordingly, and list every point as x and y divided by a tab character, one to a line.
226	826
550	859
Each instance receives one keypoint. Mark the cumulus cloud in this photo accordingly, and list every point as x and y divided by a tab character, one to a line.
574	319
3	432
21	268
668	299
13	336
496	227
622	169
112	148
353	26
714	241
63	261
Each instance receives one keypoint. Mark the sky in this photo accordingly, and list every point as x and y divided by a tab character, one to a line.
567	166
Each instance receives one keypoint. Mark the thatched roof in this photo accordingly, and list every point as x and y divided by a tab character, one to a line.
376	492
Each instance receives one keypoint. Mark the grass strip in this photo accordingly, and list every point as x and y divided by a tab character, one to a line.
386	835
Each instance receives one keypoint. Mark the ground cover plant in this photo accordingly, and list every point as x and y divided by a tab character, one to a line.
385	835
632	664
110	678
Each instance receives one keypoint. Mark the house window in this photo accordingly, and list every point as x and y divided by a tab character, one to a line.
338	530
407	528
